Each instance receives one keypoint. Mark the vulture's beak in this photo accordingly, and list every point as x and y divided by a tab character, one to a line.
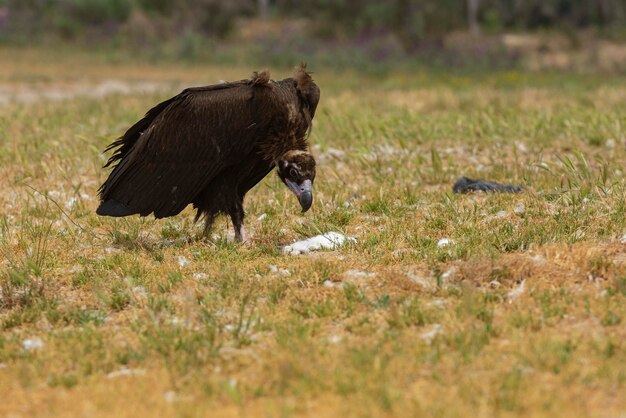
303	191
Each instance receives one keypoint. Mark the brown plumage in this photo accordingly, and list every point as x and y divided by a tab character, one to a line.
208	146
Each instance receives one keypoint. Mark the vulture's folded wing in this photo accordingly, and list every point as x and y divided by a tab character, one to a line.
168	157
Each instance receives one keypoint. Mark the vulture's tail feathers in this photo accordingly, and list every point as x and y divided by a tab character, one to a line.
112	207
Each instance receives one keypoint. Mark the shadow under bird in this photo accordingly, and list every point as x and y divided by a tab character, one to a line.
208	146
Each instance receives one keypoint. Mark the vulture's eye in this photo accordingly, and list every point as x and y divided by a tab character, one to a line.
293	173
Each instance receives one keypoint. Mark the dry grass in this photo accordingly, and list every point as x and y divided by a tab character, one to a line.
522	315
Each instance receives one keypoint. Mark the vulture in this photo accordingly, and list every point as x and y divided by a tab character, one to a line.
208	146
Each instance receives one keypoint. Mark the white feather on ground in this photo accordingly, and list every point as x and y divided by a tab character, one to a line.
200	276
444	242
31	344
429	335
329	240
124	371
182	260
517	292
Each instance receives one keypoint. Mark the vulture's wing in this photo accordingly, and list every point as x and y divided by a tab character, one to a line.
170	155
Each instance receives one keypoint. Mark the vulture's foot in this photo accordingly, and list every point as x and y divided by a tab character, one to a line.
241	235
236	215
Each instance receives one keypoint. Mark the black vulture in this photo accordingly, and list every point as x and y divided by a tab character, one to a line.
208	146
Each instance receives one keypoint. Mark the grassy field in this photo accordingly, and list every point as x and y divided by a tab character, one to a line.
523	313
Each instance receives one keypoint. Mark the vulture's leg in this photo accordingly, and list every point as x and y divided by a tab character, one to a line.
236	215
208	223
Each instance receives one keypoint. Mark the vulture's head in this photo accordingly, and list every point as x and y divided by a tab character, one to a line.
297	170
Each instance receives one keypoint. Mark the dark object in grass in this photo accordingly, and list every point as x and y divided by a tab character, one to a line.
208	146
467	185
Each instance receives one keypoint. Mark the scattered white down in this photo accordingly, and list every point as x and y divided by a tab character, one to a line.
437	303
200	276
610	143
448	274
71	202
182	260
429	335
517	292
358	274
280	271
170	396
139	292
538	258
521	147
423	282
32	344
501	214
443	242
329	240
124	371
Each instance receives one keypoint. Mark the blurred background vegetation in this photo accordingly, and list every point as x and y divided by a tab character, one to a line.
335	32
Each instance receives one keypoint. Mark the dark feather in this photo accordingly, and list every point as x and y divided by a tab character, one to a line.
114	208
467	185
